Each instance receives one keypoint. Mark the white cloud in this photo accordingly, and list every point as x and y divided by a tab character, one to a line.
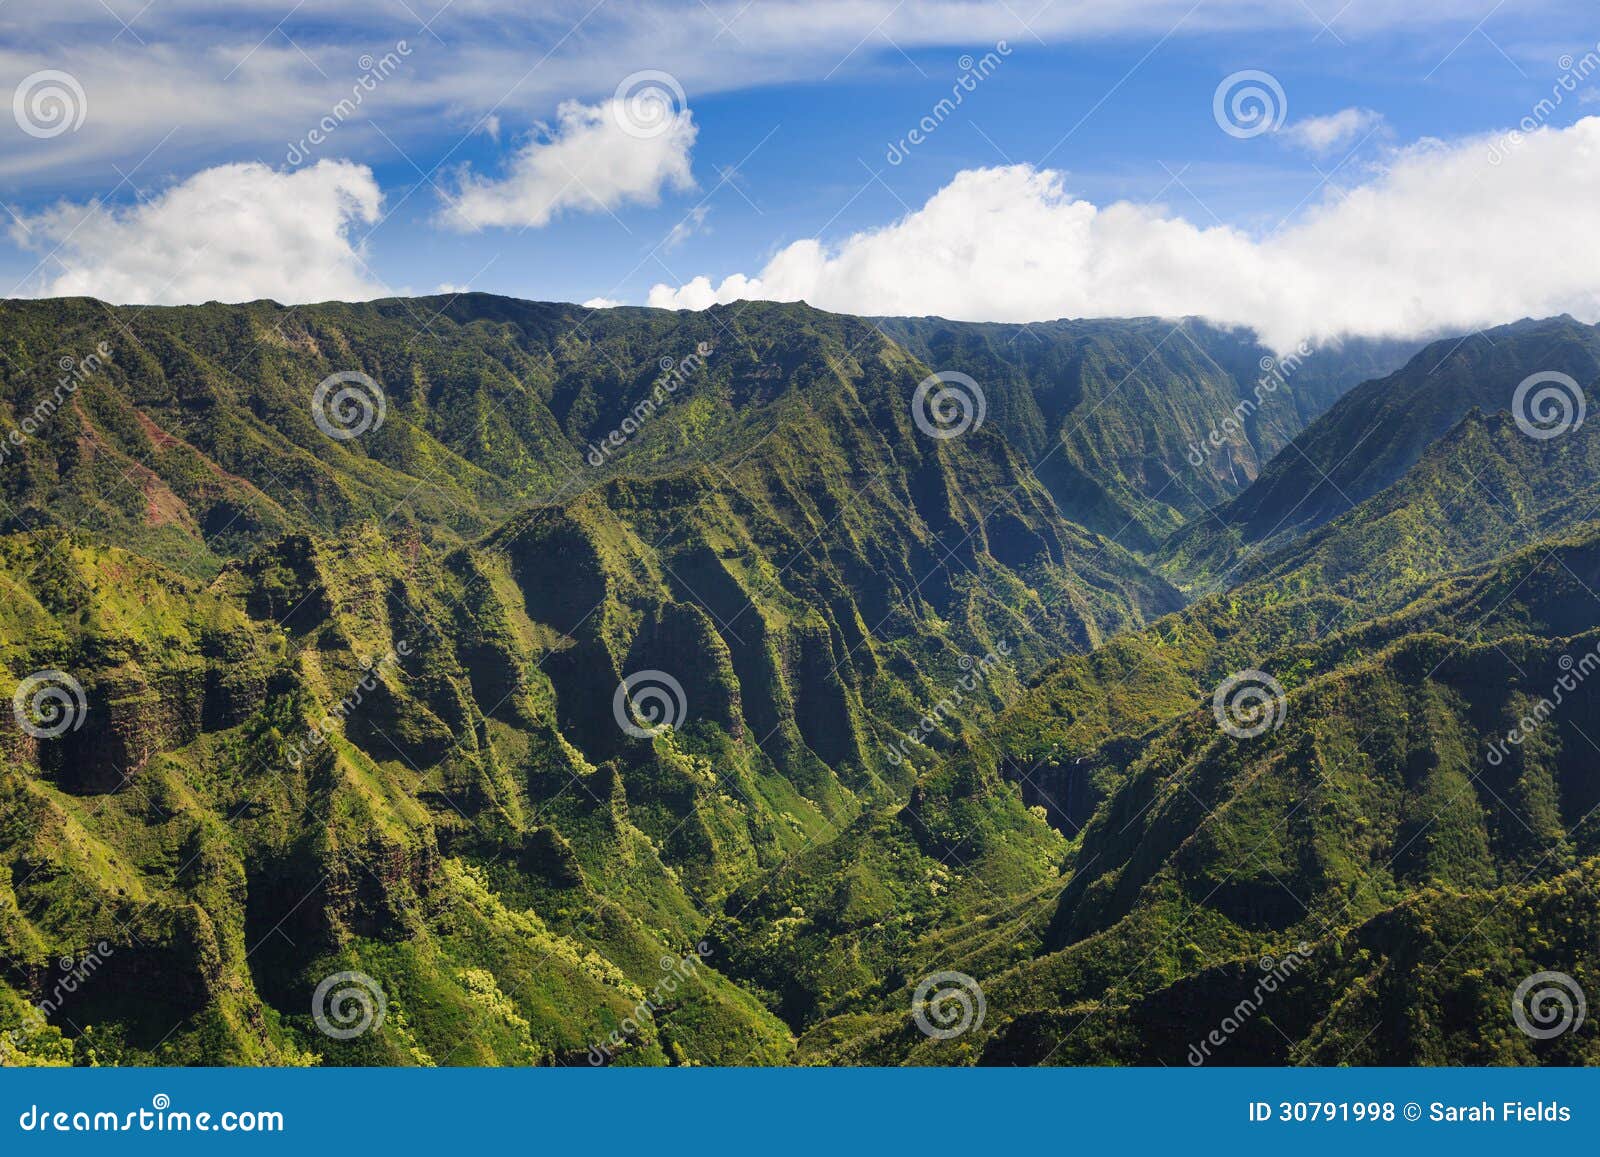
593	160
1439	239
230	233
601	303
1326	134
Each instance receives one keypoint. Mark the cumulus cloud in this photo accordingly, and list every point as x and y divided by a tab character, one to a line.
1440	238
595	158
601	303
230	233
1326	134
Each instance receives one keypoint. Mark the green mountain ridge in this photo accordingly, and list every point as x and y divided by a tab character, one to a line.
361	706
1372	436
1104	741
196	439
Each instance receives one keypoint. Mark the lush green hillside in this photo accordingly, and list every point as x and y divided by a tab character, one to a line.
1372	812
1374	435
1185	847
194	437
807	590
1121	415
718	740
197	436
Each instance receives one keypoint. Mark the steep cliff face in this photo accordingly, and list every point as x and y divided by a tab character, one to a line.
435	762
1140	425
786	693
190	434
260	794
1373	436
1426	768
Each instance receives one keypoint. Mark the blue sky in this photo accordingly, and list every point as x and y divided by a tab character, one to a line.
787	113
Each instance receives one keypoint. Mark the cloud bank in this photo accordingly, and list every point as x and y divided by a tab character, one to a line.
1439	239
230	233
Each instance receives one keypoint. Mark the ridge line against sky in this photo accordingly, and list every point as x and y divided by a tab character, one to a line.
1372	169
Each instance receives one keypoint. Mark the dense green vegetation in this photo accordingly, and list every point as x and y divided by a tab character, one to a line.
352	703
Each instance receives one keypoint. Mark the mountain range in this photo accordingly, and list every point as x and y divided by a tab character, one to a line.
639	687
